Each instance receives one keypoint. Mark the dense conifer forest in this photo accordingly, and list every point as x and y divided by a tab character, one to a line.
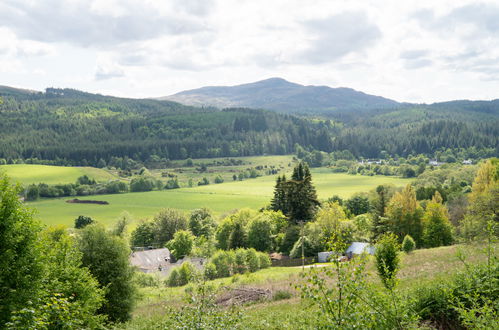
78	128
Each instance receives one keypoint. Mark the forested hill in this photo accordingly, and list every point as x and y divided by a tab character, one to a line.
283	96
79	128
83	128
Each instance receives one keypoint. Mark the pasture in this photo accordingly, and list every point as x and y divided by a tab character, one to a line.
28	173
220	198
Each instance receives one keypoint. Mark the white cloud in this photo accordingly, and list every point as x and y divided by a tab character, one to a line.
407	50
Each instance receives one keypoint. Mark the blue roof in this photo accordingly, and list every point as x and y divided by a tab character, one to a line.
360	247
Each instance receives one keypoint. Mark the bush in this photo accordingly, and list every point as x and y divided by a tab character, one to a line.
210	271
240	264
82	221
265	261
252	260
282	295
181	244
408	245
387	259
223	261
142	184
173	278
144	280
186	273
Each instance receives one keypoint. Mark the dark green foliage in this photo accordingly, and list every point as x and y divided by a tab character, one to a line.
106	256
291	236
85	180
83	221
260	234
142	184
32	193
387	259
408	244
21	267
223	233
296	198
238	237
143	235
358	204
165	224
219	179
201	223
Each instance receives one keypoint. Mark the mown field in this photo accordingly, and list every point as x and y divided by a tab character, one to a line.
27	173
220	198
417	269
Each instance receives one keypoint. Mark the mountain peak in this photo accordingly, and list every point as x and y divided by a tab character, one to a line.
281	95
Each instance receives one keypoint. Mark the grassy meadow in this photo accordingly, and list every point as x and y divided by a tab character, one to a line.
220	198
417	269
27	173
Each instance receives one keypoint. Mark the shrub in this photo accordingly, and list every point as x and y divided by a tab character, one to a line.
181	244
82	221
240	264
186	273
146	280
265	261
210	271
260	234
387	259
223	261
282	295
252	260
173	278
408	245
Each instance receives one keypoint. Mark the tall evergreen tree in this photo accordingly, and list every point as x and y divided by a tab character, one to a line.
297	197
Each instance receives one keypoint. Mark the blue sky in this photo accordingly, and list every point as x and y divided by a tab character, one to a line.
416	51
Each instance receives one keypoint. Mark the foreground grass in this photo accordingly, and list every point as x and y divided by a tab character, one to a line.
28	174
220	198
418	268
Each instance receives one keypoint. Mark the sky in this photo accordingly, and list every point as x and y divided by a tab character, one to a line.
412	51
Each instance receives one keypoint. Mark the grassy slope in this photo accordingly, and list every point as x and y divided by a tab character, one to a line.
420	267
28	174
252	193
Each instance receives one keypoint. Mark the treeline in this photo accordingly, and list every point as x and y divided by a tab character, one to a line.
69	127
82	129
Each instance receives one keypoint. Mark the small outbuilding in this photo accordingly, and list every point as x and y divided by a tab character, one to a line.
149	261
357	248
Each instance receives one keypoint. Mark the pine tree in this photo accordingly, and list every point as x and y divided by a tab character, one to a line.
237	238
379	212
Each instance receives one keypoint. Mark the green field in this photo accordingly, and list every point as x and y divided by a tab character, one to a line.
220	198
28	174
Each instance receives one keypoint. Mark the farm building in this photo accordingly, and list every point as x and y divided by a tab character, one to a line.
149	261
160	261
357	248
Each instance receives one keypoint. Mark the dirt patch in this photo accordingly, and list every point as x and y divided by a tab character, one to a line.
79	201
240	296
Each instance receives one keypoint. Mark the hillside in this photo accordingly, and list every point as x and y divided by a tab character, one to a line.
283	96
70	127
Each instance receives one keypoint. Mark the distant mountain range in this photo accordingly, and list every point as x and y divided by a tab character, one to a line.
280	95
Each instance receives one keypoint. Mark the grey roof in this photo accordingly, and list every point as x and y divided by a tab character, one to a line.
360	247
150	259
